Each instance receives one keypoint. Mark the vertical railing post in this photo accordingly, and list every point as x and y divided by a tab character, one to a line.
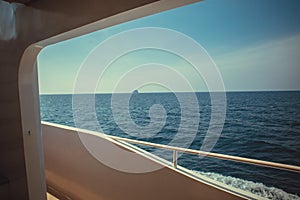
175	159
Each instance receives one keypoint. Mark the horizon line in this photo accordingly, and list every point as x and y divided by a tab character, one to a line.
164	92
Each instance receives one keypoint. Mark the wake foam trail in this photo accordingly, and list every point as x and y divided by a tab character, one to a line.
250	186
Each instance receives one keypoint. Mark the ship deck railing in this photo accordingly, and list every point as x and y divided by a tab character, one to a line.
175	150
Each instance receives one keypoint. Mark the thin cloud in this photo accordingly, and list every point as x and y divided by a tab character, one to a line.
270	65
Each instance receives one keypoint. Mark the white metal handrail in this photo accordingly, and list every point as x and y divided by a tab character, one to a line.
210	154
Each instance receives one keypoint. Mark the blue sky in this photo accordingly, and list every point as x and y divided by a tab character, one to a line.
254	43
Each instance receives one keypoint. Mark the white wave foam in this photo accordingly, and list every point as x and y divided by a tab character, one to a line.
250	186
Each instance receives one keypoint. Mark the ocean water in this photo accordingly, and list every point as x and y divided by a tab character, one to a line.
259	125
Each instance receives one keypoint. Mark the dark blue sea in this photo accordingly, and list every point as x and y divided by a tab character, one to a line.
259	125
